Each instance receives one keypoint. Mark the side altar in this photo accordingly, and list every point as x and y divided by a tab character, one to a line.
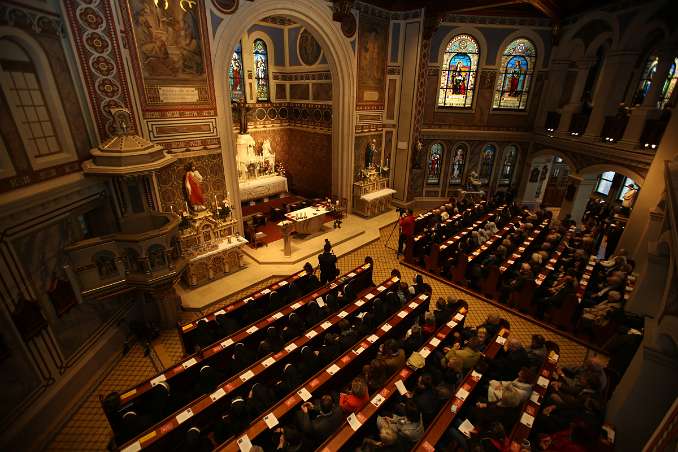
257	173
210	244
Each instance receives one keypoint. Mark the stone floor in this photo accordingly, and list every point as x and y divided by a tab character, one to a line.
88	430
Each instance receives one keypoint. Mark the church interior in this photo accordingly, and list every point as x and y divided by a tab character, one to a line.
361	225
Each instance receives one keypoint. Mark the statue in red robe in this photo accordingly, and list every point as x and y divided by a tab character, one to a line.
192	184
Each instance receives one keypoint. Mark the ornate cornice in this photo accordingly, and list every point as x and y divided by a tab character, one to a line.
25	17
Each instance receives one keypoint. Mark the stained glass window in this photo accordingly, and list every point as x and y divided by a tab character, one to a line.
236	78
486	163
669	85
508	165
457	165
261	70
458	75
515	78
435	158
645	82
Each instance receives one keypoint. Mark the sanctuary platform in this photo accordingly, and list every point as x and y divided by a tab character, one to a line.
268	261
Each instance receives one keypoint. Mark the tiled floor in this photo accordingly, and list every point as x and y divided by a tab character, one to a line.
88	429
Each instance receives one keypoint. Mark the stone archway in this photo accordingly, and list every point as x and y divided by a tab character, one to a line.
531	191
316	17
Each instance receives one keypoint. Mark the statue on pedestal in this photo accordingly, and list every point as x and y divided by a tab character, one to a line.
193	186
369	153
242	108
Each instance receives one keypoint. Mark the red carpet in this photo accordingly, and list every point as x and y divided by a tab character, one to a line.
273	232
267	206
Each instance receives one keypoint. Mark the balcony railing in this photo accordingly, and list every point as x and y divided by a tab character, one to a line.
578	124
613	128
552	121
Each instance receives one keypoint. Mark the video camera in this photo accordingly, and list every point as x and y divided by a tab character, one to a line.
401	211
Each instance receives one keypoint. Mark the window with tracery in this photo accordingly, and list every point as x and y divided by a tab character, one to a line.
458	72
515	79
236	79
508	165
457	165
261	70
435	158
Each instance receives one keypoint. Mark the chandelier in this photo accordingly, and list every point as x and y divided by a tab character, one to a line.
184	4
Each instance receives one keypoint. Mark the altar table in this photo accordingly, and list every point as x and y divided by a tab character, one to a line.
308	220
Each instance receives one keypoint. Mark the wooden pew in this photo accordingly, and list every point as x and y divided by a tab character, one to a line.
164	432
187	369
188	330
444	419
532	406
317	383
347	432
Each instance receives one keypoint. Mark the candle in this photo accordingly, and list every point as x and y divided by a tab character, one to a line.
186	204
216	203
171	208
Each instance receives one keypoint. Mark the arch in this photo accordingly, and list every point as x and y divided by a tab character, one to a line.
555	153
459	72
465	30
261	70
50	93
337	49
603	39
593	16
602	167
515	77
527	34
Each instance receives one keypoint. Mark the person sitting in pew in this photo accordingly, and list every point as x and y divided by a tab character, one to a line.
356	398
409	425
600	314
290	440
469	354
516	281
556	295
509	360
392	355
504	399
320	420
309	282
536	352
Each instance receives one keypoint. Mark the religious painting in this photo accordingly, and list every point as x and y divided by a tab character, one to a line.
517	69
169	40
508	165
459	71
309	49
646	77
236	79
372	47
260	53
457	165
486	163
435	160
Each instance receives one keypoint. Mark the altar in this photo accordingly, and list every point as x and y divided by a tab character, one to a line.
372	195
262	187
308	220
257	173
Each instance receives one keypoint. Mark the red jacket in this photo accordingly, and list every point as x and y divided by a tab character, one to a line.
407	225
350	403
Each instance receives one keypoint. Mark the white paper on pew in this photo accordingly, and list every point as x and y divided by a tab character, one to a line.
466	428
385	327
359	350
378	400
459	317
268	362
476	375
244	443
534	397
586	277
462	394
354	422
277	315
220	311
333	369
291	347
424	352
283	283
326	325
266	291
400	386
321	303
373	338
359	303
134	447
342	314
184	415
527	419
381	288
443	247
452	324
311	334
295	306
189	363
246	376
435	342
543	382
252	329
216	395
501	340
247	300
402	314
227	343
271	420
369	296
351	275
413	305
304	394
158	380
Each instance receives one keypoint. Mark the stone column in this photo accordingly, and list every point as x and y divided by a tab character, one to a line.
610	90
634	238
574	104
556	79
581	197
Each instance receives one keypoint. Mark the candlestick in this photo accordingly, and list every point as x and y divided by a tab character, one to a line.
186	204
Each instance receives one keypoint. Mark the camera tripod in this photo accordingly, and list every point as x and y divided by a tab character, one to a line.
395	225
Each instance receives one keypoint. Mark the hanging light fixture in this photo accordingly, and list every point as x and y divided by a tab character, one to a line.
183	4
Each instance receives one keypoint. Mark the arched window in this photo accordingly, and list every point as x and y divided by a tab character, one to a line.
486	163
235	75
458	72
508	165
515	79
35	109
457	165
261	70
645	82
435	158
669	85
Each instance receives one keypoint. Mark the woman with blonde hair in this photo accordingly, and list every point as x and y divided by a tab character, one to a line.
356	398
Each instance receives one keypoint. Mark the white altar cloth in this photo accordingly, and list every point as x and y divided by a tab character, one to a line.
262	187
308	220
377	194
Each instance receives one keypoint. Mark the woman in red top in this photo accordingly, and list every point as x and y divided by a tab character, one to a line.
357	398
